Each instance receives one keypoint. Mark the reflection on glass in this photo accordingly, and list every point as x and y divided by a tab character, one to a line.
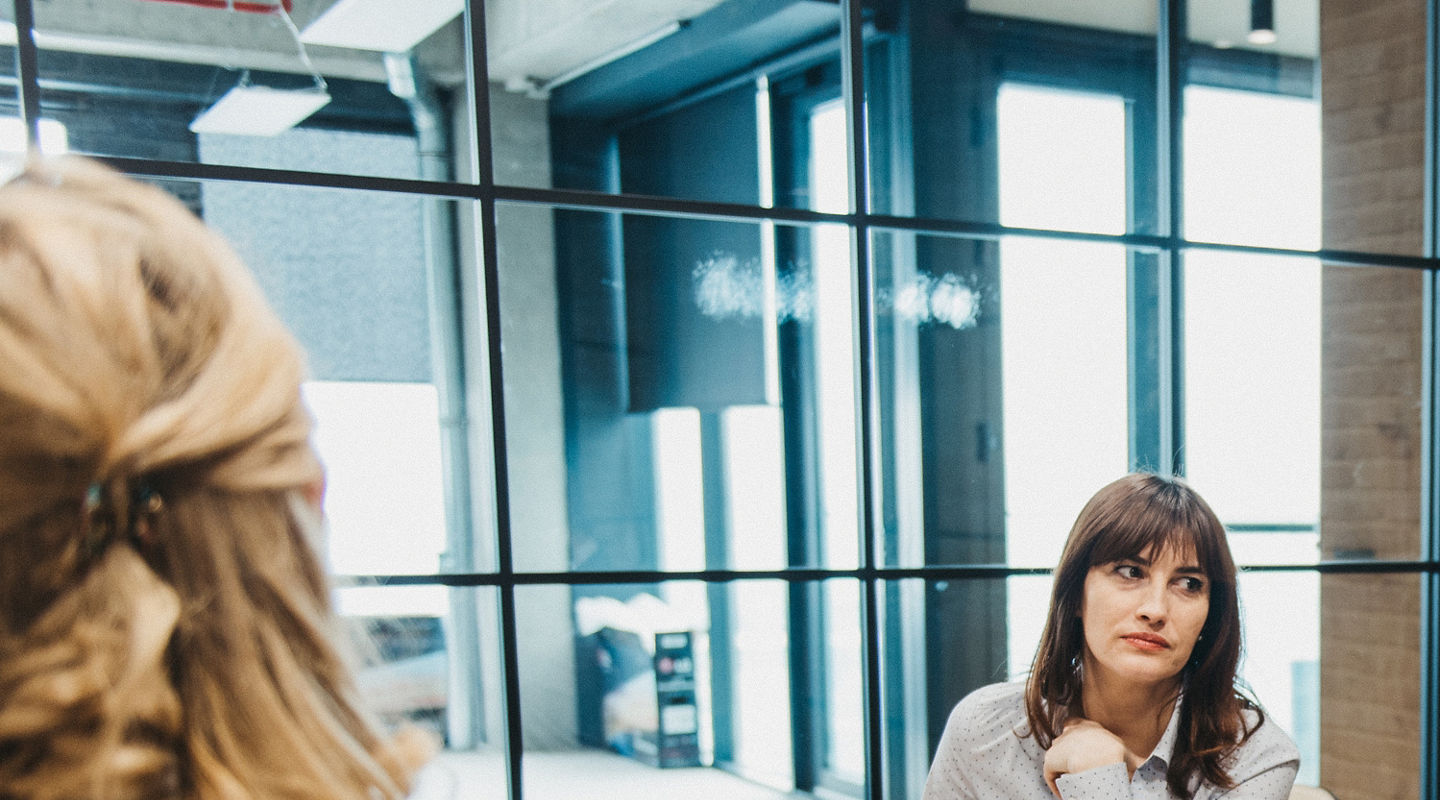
1281	666
1252	399
1119	17
844	683
1252	168
1068	84
1065	356
359	305
1278	27
679	100
679	488
617	680
755	476
1064	317
384	503
1029	597
53	141
760	744
145	80
703	412
834	337
427	656
314	151
405	674
1070	176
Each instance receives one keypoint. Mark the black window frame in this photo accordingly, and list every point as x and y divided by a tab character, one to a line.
480	187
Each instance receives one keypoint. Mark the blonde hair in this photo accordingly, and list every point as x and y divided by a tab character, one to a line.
165	628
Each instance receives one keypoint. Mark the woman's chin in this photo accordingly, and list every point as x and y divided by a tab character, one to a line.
1143	669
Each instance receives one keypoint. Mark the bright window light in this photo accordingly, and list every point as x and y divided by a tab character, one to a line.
384	507
53	141
1063	325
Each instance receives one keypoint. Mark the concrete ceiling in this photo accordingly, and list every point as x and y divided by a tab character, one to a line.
532	42
1222	23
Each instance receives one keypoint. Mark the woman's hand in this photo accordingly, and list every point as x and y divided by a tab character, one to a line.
1082	745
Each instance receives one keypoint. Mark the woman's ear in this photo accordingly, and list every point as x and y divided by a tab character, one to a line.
314	492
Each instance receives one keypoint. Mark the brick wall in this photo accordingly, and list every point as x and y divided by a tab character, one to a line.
1372	98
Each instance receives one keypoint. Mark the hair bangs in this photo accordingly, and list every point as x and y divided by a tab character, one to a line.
1167	520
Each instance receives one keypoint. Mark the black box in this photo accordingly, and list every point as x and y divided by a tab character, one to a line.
637	704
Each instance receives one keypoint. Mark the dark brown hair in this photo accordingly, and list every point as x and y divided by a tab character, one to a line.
1136	513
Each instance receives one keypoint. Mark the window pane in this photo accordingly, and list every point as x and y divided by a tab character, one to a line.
1058	97
1281	613
1252	168
384	486
1004	391
1252	395
357	302
149	80
1064	319
1272	115
359	306
1068	176
976	632
680	393
1064	360
676	675
428	657
54	140
697	99
842	685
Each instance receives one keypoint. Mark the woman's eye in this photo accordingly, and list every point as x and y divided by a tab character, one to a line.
1192	585
1127	571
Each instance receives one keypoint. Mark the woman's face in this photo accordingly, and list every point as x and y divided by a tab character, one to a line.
1142	616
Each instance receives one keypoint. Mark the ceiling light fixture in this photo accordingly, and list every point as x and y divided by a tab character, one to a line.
390	26
1262	22
248	110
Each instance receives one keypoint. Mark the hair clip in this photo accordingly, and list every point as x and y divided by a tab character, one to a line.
95	525
100	519
145	503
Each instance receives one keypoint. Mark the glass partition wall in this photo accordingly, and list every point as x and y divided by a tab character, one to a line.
707	386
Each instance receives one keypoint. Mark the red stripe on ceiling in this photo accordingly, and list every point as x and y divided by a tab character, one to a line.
237	5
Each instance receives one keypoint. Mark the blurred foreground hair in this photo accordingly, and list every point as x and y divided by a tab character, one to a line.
165	628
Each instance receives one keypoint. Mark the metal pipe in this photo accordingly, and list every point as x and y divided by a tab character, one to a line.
465	715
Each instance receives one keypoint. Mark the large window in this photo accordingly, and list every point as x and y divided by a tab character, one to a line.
707	386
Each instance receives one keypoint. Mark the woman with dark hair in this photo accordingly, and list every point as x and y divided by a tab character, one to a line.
1133	691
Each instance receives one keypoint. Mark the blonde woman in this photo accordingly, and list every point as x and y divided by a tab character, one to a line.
165	629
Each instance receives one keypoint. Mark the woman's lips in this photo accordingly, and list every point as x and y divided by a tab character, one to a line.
1147	641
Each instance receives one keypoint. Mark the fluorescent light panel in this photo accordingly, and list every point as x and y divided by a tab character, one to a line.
259	110
390	26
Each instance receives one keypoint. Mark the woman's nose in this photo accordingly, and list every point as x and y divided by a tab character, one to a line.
1153	606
